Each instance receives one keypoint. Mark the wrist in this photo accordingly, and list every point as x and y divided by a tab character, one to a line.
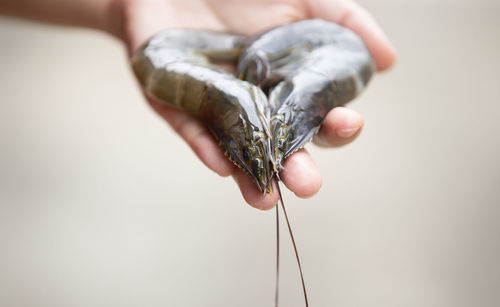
96	14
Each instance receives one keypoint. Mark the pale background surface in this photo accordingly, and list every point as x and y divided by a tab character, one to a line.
102	205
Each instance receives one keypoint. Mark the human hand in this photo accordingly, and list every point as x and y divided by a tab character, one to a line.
141	19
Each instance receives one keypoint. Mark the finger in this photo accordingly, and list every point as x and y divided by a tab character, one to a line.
351	15
341	126
252	195
301	175
197	137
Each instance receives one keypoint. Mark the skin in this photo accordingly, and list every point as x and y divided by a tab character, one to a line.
134	21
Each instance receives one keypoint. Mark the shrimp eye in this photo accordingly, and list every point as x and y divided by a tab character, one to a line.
258	164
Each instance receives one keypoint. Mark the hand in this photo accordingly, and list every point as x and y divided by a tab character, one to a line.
141	19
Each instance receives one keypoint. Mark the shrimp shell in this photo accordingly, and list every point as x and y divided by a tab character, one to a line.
174	68
309	67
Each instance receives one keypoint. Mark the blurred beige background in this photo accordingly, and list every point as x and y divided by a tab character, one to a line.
102	205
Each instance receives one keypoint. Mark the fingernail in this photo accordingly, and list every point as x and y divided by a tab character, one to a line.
347	132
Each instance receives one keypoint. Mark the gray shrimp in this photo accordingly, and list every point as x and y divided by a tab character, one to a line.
174	68
308	67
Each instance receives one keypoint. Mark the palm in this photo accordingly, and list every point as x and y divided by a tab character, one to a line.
143	18
249	17
236	16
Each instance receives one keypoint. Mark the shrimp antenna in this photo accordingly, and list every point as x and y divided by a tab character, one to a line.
277	288
293	243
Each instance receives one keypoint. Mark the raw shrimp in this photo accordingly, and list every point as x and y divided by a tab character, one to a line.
308	68
174	68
